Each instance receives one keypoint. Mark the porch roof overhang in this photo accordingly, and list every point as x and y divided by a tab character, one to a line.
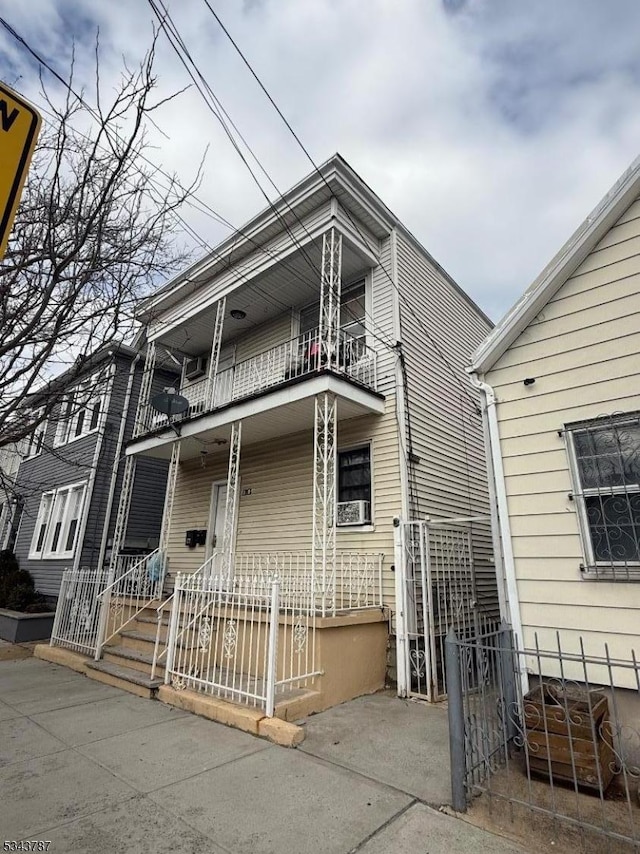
262	289
269	415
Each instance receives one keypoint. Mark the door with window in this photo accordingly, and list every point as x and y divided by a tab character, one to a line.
216	518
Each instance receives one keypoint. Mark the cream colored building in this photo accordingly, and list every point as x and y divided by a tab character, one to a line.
561	400
323	396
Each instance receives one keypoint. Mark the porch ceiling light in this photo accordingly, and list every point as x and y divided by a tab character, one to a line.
238	314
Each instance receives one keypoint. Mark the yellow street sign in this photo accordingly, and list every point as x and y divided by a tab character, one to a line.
19	129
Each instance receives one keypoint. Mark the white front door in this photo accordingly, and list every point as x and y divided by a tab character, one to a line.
216	518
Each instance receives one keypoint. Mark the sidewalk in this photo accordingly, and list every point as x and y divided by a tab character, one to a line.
95	770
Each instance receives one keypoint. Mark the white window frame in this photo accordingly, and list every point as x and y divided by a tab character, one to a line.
68	424
353	446
34	442
41	519
67	492
594	569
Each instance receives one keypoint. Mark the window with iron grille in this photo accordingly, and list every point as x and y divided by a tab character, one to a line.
605	462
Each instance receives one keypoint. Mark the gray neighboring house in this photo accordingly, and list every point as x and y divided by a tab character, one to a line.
69	480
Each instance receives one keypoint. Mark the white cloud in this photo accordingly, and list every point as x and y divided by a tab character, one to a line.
490	127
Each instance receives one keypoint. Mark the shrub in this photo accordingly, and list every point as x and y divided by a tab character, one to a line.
17	590
8	562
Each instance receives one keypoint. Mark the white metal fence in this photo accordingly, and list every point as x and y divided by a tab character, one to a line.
298	357
76	623
353	583
436	590
244	625
237	639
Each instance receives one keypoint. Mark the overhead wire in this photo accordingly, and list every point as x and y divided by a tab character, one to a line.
198	204
177	43
316	168
201	206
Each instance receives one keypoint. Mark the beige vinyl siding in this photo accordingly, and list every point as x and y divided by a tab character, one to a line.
277	515
446	430
583	350
264	337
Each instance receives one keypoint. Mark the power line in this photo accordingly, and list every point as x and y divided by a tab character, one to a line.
152	181
205	207
177	43
401	295
216	108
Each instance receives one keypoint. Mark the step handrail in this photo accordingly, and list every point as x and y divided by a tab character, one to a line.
171	640
130	612
159	613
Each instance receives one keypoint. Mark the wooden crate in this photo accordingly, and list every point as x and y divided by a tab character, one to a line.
568	736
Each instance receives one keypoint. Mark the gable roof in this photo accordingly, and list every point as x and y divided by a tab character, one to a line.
559	269
333	178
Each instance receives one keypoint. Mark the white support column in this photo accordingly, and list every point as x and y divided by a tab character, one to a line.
330	296
231	509
120	529
323	550
172	477
214	357
144	398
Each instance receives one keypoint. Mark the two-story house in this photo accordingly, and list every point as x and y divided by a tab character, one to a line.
69	480
322	405
322	402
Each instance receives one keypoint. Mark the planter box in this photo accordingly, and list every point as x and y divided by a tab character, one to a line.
568	736
17	627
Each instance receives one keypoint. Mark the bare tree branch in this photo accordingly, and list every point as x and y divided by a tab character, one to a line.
95	231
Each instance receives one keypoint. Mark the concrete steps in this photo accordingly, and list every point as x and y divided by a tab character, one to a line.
125	678
126	662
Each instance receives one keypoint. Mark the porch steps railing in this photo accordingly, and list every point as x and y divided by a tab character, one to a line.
137	587
244	625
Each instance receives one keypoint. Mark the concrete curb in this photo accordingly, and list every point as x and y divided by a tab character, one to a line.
252	721
57	655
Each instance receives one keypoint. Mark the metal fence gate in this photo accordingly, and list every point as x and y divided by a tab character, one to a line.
436	590
546	740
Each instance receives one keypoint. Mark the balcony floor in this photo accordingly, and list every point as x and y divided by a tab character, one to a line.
278	411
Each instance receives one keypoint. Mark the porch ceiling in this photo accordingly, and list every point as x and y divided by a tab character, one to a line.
282	412
296	282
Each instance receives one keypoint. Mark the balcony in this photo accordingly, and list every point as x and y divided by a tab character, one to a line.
287	365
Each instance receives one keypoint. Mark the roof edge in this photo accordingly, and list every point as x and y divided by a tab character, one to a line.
559	269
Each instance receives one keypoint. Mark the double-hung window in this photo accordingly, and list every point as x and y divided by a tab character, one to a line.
80	410
34	442
354	486
58	522
605	462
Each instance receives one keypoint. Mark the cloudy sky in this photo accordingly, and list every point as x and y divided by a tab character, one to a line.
490	127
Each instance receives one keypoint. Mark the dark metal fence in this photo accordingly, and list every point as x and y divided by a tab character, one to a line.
551	735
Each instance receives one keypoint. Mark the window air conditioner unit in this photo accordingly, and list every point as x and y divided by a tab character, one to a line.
353	513
195	368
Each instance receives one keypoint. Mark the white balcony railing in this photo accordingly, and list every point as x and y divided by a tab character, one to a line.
299	357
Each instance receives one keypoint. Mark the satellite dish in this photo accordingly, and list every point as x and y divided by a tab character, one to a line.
169	403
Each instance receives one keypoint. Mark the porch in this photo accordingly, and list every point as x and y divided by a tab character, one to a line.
257	630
